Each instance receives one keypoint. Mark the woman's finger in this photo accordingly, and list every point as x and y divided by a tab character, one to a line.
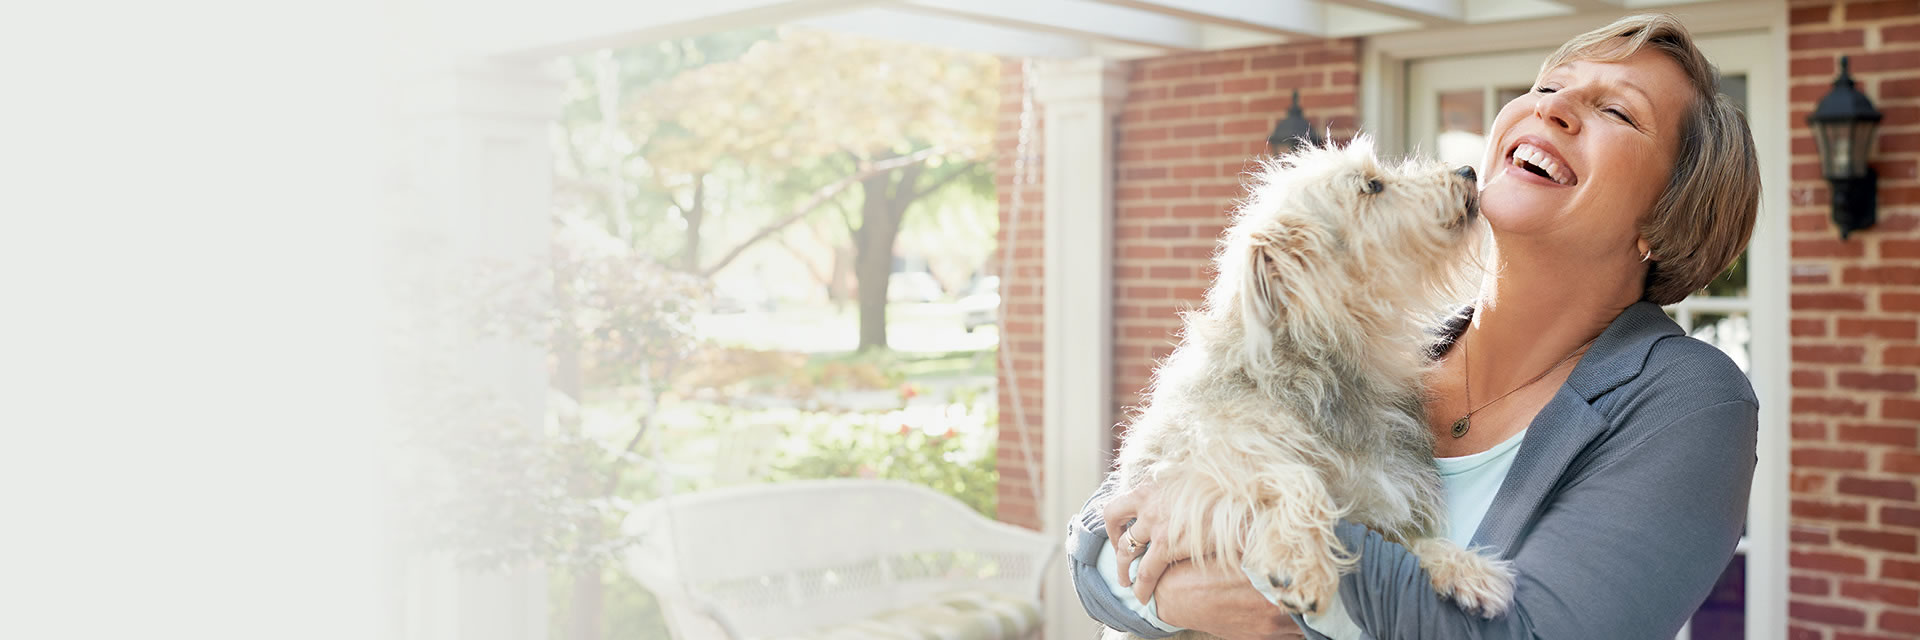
1132	542
1119	513
1152	565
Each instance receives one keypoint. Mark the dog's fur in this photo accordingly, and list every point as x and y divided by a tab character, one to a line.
1295	397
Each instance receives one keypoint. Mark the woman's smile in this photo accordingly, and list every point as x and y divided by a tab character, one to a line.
1535	157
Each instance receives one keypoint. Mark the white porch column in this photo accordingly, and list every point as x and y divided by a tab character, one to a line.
477	170
1080	100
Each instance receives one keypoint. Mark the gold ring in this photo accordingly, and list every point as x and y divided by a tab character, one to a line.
1133	546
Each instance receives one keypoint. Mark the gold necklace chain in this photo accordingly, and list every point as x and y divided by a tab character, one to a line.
1465	422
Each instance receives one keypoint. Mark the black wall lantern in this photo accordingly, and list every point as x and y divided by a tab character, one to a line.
1843	126
1292	131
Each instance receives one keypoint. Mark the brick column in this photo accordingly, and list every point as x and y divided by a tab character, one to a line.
1856	310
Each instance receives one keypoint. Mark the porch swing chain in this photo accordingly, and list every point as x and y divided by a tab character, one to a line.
1022	176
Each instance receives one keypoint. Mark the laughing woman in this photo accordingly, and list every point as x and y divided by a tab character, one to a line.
1579	433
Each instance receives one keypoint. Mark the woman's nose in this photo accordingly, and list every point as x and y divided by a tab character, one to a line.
1554	109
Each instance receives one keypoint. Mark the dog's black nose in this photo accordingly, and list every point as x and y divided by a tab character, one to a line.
1466	172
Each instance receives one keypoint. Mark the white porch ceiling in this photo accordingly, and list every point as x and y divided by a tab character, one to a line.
1121	29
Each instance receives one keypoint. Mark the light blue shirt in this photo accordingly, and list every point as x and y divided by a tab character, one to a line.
1470	483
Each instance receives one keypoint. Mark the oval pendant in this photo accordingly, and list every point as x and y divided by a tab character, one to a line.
1460	427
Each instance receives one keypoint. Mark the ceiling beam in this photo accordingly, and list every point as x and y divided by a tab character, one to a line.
1076	18
903	26
515	29
1549	32
1292	18
1422	11
1593	5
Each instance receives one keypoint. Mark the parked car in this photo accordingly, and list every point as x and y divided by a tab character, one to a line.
981	306
913	286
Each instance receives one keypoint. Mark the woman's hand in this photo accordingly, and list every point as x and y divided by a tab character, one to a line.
1136	524
1222	603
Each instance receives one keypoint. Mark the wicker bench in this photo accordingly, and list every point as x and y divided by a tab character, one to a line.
836	558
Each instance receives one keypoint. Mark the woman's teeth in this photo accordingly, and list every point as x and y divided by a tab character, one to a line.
1532	158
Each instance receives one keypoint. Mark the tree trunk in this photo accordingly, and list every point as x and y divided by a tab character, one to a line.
589	594
840	287
883	204
690	253
871	267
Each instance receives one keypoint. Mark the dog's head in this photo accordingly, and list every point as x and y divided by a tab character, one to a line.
1331	238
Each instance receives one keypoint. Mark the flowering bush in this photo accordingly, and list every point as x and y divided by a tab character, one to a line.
947	448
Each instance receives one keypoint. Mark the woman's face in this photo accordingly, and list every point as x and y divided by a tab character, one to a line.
1581	159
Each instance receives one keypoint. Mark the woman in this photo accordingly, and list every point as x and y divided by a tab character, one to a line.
1580	433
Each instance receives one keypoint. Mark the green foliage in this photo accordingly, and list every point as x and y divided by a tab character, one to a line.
504	491
950	450
809	95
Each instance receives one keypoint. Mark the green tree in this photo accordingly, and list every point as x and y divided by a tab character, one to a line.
603	173
900	122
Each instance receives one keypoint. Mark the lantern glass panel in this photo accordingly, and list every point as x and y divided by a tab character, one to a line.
1862	146
1835	142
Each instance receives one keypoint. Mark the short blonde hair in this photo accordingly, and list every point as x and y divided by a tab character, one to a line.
1704	219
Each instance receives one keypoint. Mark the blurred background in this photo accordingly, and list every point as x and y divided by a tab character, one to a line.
770	258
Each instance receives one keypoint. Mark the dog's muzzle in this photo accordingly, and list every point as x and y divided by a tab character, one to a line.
1473	192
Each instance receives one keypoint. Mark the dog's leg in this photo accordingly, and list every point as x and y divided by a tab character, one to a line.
1477	583
1291	541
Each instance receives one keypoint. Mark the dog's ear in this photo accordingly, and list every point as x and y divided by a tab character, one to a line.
1257	315
1362	143
1275	254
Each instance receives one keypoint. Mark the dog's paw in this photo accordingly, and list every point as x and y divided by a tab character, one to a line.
1478	584
1485	591
1304	585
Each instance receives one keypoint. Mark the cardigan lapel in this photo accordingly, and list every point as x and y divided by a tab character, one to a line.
1569	422
1561	430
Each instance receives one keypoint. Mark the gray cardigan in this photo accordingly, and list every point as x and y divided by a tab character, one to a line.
1621	510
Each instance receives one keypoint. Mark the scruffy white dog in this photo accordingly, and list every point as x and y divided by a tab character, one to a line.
1295	399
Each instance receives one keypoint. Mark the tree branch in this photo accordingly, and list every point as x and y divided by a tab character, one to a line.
805	261
818	198
963	170
900	195
646	420
846	218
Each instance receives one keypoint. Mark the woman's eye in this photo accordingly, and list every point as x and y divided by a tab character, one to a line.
1622	115
1544	90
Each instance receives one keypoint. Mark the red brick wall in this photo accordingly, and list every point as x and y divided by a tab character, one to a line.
1856	413
1191	127
1020	304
